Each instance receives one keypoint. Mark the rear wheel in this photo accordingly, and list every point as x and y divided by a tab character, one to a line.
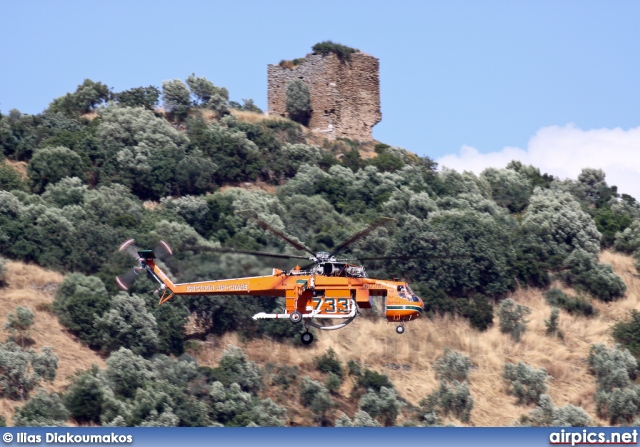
306	338
400	329
295	317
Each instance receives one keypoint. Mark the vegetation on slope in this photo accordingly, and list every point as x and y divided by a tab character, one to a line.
103	166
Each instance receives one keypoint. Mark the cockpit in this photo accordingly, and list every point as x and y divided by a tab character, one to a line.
406	293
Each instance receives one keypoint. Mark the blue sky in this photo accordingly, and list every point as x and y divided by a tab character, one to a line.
455	75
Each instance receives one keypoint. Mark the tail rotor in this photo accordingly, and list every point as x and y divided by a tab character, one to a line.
162	250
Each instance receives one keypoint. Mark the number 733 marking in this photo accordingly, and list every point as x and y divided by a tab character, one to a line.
331	305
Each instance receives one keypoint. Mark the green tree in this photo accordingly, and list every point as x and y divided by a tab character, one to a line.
298	101
20	323
450	398
22	369
128	324
176	98
315	396
452	366
525	382
146	97
584	272
84	397
383	405
509	188
42	410
627	332
52	164
86	98
559	222
511	315
235	367
548	415
79	301
10	178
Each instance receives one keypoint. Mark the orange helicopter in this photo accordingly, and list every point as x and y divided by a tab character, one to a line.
327	289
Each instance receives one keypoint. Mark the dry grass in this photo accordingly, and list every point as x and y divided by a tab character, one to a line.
408	359
19	166
34	287
253	117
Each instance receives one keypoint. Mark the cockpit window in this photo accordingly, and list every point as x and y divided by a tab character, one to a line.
414	298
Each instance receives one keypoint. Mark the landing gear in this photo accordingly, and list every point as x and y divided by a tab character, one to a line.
400	329
295	317
306	338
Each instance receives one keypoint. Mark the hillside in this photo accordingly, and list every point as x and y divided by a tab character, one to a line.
407	359
209	176
33	287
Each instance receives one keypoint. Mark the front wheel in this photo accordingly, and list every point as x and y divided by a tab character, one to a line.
400	329
306	338
295	317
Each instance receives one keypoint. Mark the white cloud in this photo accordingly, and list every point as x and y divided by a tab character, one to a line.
564	152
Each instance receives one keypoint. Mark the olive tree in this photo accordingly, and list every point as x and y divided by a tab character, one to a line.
559	222
128	324
52	164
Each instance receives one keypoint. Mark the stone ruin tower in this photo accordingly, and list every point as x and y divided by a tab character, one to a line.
345	94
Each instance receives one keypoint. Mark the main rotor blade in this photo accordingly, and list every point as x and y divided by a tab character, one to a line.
163	250
254	252
126	280
362	233
265	226
130	248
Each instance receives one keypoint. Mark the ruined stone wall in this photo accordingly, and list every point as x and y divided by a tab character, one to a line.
345	95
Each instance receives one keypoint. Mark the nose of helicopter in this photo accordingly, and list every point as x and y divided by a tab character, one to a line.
421	304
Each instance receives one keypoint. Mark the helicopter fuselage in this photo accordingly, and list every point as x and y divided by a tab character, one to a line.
308	292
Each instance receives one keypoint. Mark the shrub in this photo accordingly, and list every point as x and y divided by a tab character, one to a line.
333	383
597	279
454	398
329	363
343	52
298	101
383	405
52	164
627	332
22	369
628	241
42	410
452	366
613	367
79	300
354	368
574	305
552	323
315	396
146	97
373	380
3	271
525	382
235	367
511	317
547	415
128	324
84	398
620	405
19	324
